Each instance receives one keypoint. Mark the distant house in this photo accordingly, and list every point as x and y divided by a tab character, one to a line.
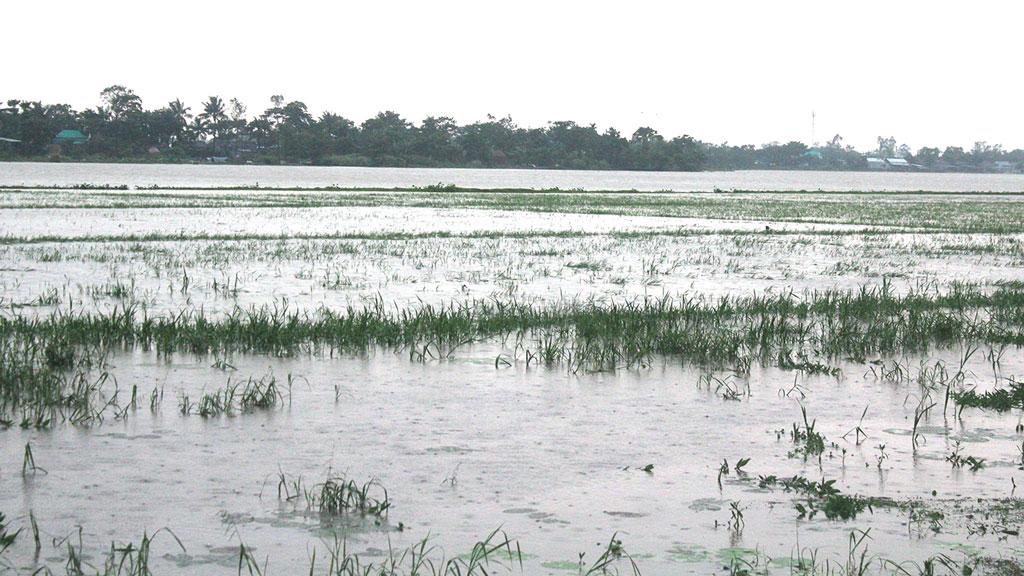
70	137
877	164
889	164
237	146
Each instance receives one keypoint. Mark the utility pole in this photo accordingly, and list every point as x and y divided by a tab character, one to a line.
812	128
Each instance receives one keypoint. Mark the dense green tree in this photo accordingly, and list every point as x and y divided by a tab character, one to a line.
337	134
954	155
435	140
786	155
386	137
119	102
927	156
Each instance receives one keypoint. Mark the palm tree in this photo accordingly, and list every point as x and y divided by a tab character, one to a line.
213	114
180	111
181	116
199	127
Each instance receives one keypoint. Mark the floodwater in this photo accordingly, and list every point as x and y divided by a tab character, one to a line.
223	275
464	446
351	220
67	174
553	459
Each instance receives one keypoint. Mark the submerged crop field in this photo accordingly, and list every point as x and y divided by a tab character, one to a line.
443	381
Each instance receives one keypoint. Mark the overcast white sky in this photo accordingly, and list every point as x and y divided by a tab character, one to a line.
928	73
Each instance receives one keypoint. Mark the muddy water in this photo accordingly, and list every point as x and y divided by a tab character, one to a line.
552	458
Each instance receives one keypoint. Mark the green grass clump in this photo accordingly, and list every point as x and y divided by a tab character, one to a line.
133	559
43	359
236	396
338	495
827	324
44	380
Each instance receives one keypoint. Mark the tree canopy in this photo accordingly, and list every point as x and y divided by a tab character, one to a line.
121	128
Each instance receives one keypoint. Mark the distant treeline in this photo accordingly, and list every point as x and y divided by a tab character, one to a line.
121	129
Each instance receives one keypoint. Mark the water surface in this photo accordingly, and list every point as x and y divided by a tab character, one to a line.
66	174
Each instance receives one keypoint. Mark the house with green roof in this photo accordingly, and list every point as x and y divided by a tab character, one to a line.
70	137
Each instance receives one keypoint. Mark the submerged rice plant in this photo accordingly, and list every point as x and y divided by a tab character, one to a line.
236	396
337	495
496	553
48	364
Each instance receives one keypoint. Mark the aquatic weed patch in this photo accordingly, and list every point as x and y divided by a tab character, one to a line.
1000	399
823	497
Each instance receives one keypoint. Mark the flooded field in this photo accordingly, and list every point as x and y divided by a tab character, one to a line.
208	175
444	381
